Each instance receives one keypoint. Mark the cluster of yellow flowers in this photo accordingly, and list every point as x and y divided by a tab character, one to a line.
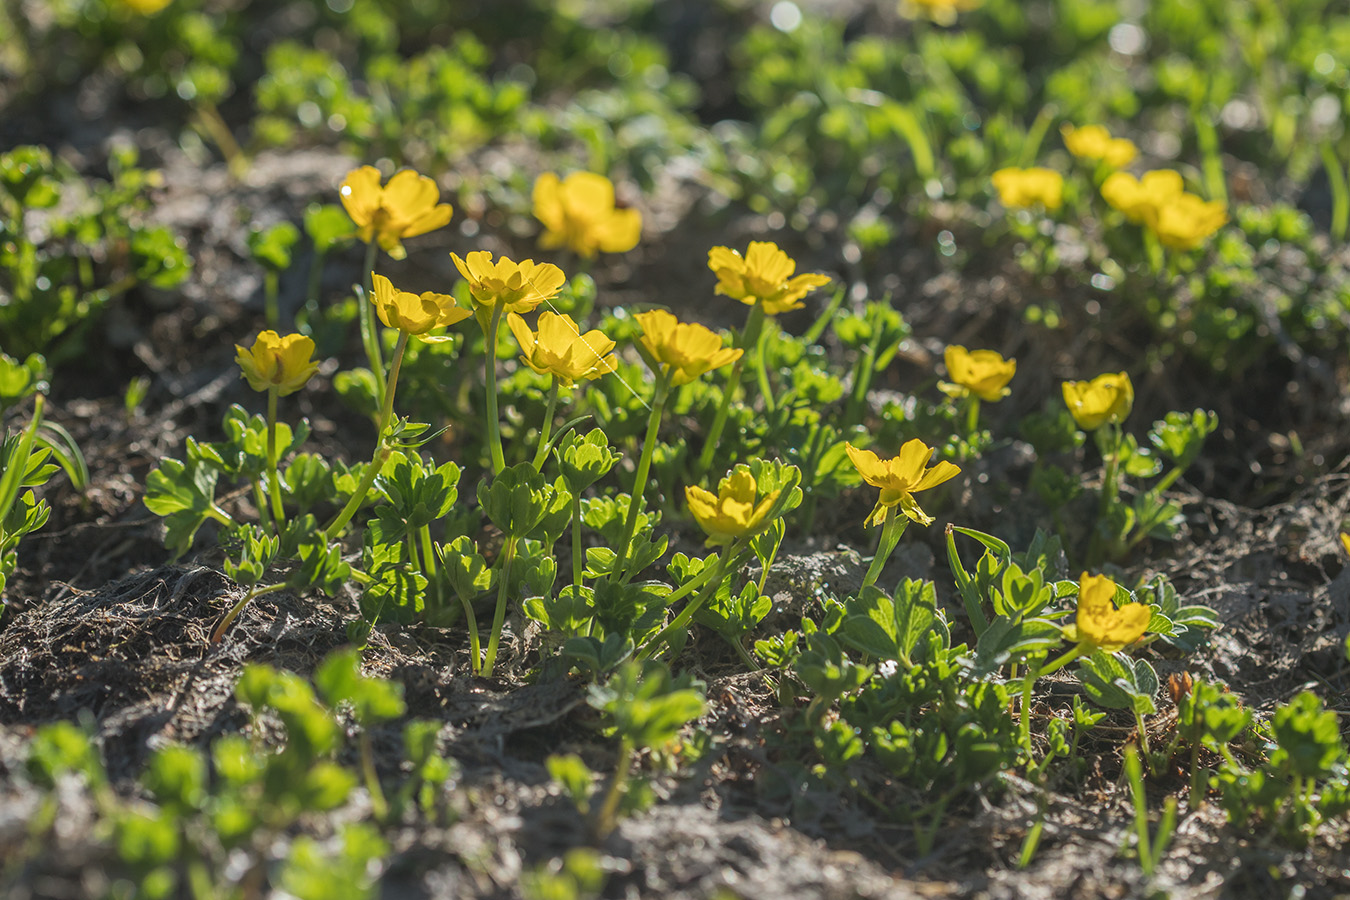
1028	188
1094	143
1160	202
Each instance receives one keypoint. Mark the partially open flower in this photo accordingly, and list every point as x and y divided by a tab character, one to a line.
405	207
1106	398
518	287
578	212
763	275
733	511
1186	221
984	373
1094	142
684	350
277	362
1026	188
559	348
417	314
900	478
1099	623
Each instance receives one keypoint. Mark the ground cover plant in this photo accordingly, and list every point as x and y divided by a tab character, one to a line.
638	449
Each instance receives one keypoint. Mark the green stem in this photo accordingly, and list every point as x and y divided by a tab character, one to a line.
499	615
274	477
1135	775
754	325
1340	194
490	374
762	373
1033	672
1068	656
475	644
891	530
1197	789
681	621
260	501
643	470
270	290
381	450
577	557
234	612
370	334
972	417
379	807
823	320
214	125
605	815
546	429
315	281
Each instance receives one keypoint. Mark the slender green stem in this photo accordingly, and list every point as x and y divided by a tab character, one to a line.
681	621
370	333
892	528
381	450
1340	193
260	501
606	814
762	373
1033	672
235	610
270	290
823	320
1068	656
546	429
972	417
1197	794
314	283
213	124
1135	775
754	325
273	476
379	807
493	423
475	645
499	615
1207	139
1143	735
577	557
643	470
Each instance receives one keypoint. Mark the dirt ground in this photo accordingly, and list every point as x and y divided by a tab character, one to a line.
102	627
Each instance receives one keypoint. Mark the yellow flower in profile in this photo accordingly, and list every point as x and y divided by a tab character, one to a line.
900	477
147	7
417	314
684	350
559	348
518	287
405	207
1094	142
1106	398
733	511
764	276
1100	623
1141	198
942	12
1025	188
578	212
1186	221
984	373
277	362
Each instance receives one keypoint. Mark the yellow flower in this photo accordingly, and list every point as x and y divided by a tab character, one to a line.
763	275
732	512
1345	541
417	314
517	287
1184	222
1029	187
984	373
1095	142
684	350
578	212
1100	623
147	7
900	477
1141	198
277	362
942	12
561	350
405	207
1106	398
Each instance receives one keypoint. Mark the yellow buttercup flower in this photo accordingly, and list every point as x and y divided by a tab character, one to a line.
147	7
417	314
1186	221
1094	142
684	350
942	12
518	287
578	212
405	207
984	373
1100	623
1106	398
1025	188
1141	198
559	348
733	511
900	477
277	362
764	276
1345	541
